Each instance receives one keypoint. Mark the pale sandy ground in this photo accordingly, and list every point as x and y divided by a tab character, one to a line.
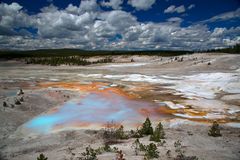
211	88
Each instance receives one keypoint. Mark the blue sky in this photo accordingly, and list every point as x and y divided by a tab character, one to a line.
119	24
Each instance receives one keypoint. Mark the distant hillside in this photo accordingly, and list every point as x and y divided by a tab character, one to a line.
83	53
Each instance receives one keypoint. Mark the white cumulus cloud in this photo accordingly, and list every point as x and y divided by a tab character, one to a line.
224	16
191	6
141	4
115	4
88	27
173	8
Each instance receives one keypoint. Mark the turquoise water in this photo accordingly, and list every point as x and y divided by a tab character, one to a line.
11	93
94	108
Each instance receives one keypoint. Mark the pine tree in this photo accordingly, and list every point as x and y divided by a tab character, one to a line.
151	151
147	127
120	133
158	133
42	157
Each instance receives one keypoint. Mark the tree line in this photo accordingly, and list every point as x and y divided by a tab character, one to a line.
73	60
11	54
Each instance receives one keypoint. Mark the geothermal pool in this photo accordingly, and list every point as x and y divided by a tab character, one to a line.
89	110
96	105
100	103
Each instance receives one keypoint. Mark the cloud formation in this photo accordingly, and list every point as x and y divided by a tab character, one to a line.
225	16
115	4
191	6
141	4
12	16
89	27
173	8
179	9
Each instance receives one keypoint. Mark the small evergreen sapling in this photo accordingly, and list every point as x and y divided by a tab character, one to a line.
21	99
168	153
16	101
181	153
147	127
42	157
136	134
120	155
20	92
120	133
109	134
178	150
107	148
151	151
136	146
90	154
5	104
214	130
158	133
